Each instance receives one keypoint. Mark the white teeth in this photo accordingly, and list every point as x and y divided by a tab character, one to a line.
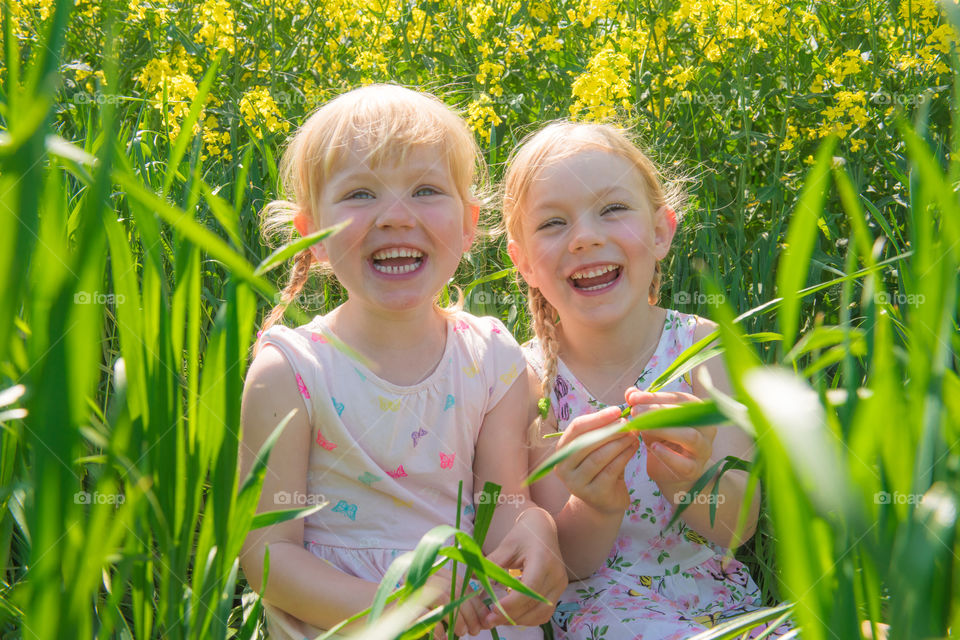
407	268
397	252
595	287
593	273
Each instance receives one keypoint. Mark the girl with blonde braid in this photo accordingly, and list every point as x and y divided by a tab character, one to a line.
442	397
588	221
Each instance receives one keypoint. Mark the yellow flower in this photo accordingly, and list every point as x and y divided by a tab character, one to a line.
260	113
605	83
218	25
480	14
481	116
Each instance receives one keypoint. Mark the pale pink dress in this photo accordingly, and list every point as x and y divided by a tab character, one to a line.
388	458
655	584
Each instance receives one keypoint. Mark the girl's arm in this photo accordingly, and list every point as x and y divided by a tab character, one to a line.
677	472
299	582
522	535
587	495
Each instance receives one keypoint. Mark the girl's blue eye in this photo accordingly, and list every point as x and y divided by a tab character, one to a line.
359	194
613	207
425	191
552	222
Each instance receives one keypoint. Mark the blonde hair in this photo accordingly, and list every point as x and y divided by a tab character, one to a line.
383	122
556	141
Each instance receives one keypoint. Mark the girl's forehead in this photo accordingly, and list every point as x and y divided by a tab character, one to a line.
433	158
588	170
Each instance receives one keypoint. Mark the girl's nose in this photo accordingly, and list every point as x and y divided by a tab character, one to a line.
396	213
585	235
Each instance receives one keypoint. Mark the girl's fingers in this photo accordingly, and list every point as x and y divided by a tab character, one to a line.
635	397
679	465
615	469
695	442
583	468
587	423
471	617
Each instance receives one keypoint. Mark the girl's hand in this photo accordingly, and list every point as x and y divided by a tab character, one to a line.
595	475
677	456
471	613
530	546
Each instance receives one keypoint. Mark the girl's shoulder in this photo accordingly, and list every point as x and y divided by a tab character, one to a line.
483	331
688	325
302	343
533	353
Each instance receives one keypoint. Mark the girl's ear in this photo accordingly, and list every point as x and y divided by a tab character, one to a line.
303	223
664	228
521	262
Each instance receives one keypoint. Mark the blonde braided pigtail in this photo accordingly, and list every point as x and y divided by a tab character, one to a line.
653	295
545	325
298	278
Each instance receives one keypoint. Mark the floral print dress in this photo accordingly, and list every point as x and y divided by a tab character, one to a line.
655	584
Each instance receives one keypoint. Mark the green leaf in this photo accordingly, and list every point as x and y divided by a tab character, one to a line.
268	518
186	127
801	235
695	414
738	626
485	508
287	251
727	463
195	232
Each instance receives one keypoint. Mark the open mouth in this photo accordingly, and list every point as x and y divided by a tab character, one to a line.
397	260
595	278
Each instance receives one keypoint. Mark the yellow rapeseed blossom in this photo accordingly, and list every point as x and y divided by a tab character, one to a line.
481	116
550	41
420	26
849	110
480	15
260	113
215	142
218	25
790	138
540	10
605	84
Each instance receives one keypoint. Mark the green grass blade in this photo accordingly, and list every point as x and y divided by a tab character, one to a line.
801	235
287	251
695	414
186	127
268	518
195	232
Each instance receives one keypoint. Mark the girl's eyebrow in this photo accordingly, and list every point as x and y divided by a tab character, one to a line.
612	190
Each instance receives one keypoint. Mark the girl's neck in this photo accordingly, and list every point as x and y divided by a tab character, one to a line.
602	358
402	347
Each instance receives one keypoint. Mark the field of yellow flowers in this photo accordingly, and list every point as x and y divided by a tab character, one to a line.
170	117
734	96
